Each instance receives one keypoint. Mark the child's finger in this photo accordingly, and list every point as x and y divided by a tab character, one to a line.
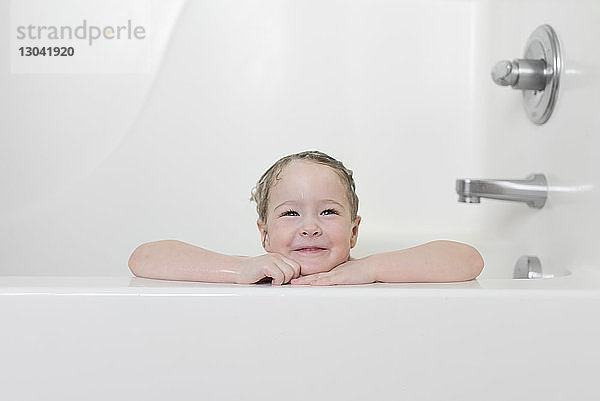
307	279
304	279
295	266
341	277
326	281
286	269
328	278
275	273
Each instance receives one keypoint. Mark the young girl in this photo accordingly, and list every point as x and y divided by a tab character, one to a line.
307	217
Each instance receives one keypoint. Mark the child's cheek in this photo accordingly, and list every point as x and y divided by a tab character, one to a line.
281	236
341	232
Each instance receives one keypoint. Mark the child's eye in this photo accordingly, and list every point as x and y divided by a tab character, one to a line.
289	213
329	211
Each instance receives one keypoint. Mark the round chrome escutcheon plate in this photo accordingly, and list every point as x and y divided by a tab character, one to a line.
543	45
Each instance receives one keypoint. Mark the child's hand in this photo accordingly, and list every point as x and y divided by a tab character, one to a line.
274	265
356	271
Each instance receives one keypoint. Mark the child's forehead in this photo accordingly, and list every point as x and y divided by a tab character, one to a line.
306	167
308	177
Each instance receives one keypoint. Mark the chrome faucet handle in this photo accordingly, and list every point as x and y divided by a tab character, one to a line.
537	74
521	74
504	73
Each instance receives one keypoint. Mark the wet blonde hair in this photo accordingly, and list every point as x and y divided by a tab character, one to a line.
260	193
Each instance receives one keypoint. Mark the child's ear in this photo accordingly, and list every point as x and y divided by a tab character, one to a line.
354	236
262	227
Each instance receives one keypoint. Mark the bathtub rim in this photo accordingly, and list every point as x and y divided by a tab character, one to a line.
580	281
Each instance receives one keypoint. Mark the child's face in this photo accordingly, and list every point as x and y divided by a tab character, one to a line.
309	217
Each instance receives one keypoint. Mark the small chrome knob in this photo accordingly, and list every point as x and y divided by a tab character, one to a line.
505	74
521	74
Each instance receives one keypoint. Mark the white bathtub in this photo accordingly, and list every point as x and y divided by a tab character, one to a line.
99	338
494	338
101	158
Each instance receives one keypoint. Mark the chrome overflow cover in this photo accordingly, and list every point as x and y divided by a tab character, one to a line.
537	74
528	267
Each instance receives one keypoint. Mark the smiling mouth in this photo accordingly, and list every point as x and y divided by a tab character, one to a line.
309	250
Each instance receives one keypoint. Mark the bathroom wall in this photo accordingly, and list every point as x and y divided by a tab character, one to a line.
96	163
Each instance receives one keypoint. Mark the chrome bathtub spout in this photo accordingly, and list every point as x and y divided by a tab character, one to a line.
533	190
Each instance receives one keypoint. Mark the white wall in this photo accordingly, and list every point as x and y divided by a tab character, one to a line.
95	164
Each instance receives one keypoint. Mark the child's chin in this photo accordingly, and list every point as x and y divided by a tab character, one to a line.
309	268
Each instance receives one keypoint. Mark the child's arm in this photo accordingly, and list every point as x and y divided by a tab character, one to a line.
176	260
436	261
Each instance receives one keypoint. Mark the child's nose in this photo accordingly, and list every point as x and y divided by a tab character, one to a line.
311	233
311	230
